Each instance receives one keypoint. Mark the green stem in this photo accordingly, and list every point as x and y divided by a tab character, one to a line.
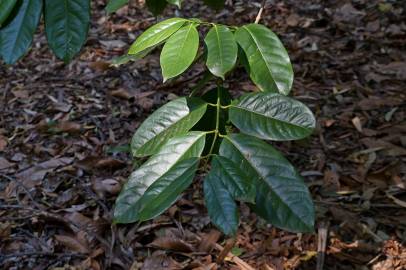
222	107
216	131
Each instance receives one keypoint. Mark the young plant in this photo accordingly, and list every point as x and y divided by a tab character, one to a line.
192	131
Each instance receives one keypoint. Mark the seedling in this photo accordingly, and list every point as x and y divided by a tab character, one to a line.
201	131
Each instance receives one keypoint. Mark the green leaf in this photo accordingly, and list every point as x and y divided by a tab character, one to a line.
174	118
115	5
215	4
270	67
234	178
175	2
179	148
222	50
16	37
156	34
166	190
282	197
179	51
125	58
220	204
272	116
6	6
66	26
156	6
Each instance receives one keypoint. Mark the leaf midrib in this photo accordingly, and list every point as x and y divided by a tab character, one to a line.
163	196
134	205
262	178
19	29
140	148
262	54
184	42
230	176
66	49
219	202
219	46
267	116
158	36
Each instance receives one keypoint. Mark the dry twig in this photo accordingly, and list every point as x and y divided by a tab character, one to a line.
258	18
321	244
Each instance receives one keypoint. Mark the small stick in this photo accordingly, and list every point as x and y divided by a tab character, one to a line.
235	259
227	248
258	18
321	244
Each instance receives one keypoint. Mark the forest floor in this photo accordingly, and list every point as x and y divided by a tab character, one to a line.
65	129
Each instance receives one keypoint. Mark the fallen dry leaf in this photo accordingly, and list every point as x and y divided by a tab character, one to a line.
4	163
356	121
387	147
3	143
34	175
68	127
103	186
72	243
100	65
172	243
92	162
161	262
209	240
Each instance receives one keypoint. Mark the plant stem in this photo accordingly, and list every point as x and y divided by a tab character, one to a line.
221	106
216	131
258	18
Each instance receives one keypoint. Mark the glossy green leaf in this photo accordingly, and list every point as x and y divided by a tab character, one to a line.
156	34
220	204
166	190
175	2
222	50
179	51
216	4
282	197
234	178
16	37
114	5
179	148
6	6
66	26
272	116
174	118
156	6
270	67
125	58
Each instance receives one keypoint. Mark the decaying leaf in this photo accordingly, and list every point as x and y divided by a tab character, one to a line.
72	243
